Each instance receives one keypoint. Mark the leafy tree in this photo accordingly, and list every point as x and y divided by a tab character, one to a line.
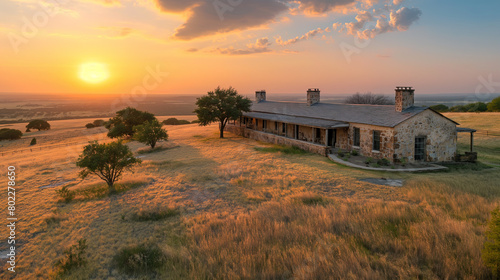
98	123
221	105
368	98
90	125
125	120
107	161
491	250
10	134
150	132
174	121
37	124
440	108
494	105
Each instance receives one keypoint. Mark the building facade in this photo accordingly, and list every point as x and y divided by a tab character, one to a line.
394	132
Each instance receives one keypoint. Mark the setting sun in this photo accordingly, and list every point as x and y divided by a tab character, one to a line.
93	72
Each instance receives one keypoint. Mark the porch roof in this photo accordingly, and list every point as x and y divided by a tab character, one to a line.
313	122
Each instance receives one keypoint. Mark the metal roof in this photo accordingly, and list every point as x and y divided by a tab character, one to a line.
381	115
314	122
465	129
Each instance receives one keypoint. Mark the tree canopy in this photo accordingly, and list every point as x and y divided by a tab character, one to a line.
368	98
221	105
150	132
107	161
125	120
494	105
38	125
10	134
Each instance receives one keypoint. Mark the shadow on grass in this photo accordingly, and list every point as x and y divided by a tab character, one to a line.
154	214
99	191
281	149
157	149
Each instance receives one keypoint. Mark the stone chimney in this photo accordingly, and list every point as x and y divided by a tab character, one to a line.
312	96
260	95
404	98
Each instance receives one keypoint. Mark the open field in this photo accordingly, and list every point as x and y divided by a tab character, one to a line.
247	213
487	146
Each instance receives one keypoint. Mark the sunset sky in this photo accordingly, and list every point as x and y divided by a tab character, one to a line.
283	46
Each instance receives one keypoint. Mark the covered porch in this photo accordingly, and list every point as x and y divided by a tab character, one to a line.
470	156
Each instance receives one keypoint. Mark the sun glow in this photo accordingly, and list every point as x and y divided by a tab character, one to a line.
94	72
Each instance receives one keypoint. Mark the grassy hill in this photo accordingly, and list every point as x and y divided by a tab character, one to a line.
220	208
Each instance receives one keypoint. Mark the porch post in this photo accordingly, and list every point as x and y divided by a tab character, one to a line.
471	141
326	137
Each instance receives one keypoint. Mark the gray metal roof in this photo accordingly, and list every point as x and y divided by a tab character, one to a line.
381	115
465	129
298	120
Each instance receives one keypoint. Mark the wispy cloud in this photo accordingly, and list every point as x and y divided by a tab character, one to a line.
307	36
260	46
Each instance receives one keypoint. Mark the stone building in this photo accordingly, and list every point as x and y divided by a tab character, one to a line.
393	132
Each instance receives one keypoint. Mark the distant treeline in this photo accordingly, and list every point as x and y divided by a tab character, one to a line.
493	106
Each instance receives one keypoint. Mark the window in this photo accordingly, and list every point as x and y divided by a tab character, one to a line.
283	127
376	140
356	137
420	148
264	124
317	133
276	126
256	123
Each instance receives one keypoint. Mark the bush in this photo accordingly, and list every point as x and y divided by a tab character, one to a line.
74	256
491	250
98	123
196	121
354	152
368	160
404	161
90	125
33	141
139	259
341	153
66	194
494	105
174	121
10	134
38	125
383	162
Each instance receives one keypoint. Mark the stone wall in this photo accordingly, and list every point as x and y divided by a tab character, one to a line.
440	133
279	140
366	141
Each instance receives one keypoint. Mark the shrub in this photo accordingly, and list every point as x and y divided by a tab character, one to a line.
404	161
491	250
383	162
10	134
354	152
310	199
174	121
494	105
341	153
90	125
98	123
66	194
74	256
368	160
33	141
38	125
196	121
139	259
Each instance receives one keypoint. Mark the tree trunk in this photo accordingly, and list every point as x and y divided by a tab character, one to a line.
111	187
153	145
221	127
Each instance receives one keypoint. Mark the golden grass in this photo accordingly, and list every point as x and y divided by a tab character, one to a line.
249	214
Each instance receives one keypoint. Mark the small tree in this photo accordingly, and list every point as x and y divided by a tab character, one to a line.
98	123
10	134
125	120
368	98
494	105
90	125
491	250
37	124
150	132
33	141
107	161
221	105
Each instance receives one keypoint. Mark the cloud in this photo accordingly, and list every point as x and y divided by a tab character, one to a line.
260	46
209	17
118	32
400	20
397	2
404	18
322	6
309	35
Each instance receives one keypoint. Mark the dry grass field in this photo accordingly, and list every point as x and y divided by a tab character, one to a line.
241	213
